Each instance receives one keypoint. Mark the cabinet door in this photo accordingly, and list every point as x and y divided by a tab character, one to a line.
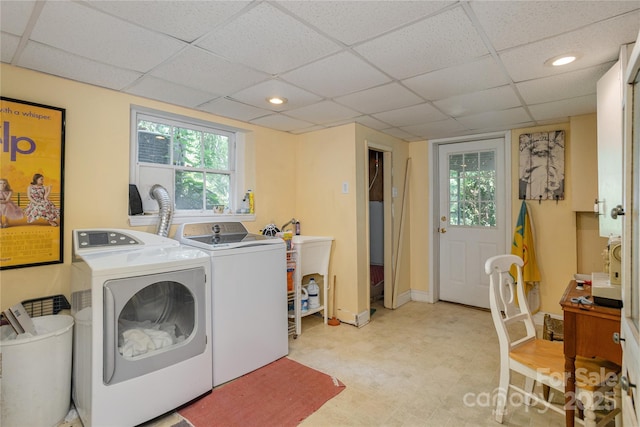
630	326
609	95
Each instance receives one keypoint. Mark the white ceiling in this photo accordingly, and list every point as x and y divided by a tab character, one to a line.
412	69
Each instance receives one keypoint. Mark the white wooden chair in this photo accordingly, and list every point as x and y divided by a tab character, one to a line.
542	360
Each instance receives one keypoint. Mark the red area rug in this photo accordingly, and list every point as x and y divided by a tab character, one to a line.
282	394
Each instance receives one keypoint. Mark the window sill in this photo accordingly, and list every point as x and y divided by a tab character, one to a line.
153	219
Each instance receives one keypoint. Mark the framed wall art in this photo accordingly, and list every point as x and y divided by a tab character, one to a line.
542	166
31	184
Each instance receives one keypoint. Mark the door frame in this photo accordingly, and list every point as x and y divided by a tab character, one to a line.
433	237
387	162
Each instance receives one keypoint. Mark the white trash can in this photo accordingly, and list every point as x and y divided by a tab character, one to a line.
36	373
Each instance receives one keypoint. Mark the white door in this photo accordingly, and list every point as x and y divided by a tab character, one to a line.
472	189
630	327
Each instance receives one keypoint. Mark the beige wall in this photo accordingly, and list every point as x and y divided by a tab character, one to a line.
292	176
419	185
365	138
97	168
562	236
554	222
299	176
325	160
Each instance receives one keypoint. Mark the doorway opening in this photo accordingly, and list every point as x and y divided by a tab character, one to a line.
376	225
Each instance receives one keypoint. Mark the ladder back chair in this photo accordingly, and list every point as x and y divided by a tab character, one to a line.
541	360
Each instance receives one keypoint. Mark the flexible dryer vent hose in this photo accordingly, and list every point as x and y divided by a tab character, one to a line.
161	195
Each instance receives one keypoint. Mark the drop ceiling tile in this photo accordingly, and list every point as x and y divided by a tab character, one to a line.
504	119
469	77
268	40
234	110
59	63
562	86
257	95
207	72
83	31
14	16
597	44
500	98
371	122
281	122
351	21
8	45
162	90
413	115
336	75
441	129
184	20
446	39
522	22
551	121
305	130
566	107
382	98
501	128
399	133
323	112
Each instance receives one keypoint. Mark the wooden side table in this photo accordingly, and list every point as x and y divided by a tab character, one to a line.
588	332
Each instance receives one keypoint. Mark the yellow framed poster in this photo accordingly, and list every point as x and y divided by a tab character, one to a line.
31	184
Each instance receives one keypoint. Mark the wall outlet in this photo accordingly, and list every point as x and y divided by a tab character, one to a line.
345	187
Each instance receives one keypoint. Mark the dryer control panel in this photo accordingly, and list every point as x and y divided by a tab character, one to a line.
99	240
96	238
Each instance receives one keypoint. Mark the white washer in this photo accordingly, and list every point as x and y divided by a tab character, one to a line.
142	346
249	307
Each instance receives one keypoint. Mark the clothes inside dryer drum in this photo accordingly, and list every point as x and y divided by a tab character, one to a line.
156	317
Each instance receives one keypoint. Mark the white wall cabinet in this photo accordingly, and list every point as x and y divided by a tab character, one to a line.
610	173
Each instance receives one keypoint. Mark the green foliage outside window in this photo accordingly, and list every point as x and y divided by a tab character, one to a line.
472	189
201	162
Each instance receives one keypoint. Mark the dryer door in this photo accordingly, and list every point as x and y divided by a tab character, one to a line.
152	321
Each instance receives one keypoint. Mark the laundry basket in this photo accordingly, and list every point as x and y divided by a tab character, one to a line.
36	372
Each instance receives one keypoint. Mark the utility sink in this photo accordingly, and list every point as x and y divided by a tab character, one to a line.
307	239
313	254
312	257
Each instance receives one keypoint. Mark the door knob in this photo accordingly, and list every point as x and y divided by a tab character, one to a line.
625	384
618	210
442	230
616	338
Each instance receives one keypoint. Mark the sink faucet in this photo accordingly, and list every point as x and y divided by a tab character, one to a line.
292	221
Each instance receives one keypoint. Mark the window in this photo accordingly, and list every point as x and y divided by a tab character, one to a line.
194	160
472	179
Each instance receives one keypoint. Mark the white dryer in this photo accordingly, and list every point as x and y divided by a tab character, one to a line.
142	338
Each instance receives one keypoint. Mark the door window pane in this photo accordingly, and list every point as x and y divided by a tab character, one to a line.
472	180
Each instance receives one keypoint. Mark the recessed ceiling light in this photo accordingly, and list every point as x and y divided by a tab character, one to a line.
560	60
276	100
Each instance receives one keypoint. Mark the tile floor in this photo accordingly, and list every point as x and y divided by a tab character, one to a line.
420	365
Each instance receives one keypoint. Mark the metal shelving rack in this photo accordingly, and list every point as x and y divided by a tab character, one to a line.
293	303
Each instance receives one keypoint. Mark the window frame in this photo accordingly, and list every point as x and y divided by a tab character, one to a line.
237	168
